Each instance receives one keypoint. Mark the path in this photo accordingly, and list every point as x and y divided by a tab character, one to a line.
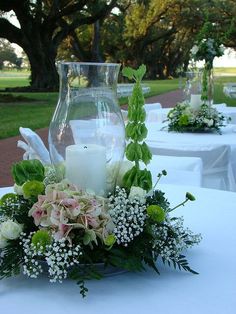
9	153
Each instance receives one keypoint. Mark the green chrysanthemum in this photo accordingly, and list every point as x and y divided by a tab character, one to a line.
156	213
32	188
41	239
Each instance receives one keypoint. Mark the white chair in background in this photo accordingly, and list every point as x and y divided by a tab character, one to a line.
180	170
153	106
217	172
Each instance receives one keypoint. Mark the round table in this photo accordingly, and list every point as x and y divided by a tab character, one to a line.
212	291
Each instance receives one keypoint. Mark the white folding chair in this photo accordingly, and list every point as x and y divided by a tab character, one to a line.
148	108
215	158
153	106
180	170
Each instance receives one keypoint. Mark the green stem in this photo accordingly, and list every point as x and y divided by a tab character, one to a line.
181	204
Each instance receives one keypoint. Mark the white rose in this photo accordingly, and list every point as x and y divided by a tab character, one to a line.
124	167
3	241
137	193
10	229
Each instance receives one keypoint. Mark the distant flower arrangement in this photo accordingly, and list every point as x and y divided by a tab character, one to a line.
208	45
69	231
207	49
184	118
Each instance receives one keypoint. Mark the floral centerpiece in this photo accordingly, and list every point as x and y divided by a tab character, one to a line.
184	118
56	225
197	115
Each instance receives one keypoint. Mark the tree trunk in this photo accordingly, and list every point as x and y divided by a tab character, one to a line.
96	54
44	76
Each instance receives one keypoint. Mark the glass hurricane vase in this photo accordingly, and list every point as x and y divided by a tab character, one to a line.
193	89
208	84
87	133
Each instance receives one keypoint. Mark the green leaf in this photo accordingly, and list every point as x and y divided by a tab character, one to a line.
146	154
134	151
130	178
144	179
128	72
136	131
140	72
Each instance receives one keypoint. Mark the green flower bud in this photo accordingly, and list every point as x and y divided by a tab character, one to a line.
156	213
41	239
110	240
164	172
190	197
32	188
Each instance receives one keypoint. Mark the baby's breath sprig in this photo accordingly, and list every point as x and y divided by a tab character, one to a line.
127	215
59	256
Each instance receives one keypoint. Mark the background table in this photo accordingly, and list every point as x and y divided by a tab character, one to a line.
212	291
157	137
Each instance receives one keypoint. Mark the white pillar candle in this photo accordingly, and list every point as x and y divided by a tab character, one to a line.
86	167
195	101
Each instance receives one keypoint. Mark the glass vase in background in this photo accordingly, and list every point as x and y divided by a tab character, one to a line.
208	85
87	133
193	89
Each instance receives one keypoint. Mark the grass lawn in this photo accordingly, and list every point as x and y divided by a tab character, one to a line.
38	113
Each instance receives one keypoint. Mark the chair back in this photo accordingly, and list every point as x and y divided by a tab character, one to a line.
180	170
215	160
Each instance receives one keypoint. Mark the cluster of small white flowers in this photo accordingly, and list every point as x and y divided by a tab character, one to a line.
127	215
31	266
60	256
171	239
10	203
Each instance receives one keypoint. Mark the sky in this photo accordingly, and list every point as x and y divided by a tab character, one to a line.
227	60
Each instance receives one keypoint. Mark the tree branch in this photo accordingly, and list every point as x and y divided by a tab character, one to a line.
67	29
10	32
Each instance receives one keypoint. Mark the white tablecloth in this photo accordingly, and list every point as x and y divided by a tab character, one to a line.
229	112
156	137
212	291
